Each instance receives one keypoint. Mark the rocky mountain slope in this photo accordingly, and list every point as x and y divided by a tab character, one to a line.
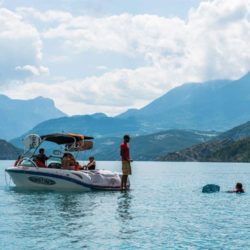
232	146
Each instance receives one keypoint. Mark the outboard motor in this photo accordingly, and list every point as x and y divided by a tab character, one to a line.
211	188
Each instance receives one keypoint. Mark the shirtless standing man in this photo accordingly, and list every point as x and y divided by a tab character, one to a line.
125	158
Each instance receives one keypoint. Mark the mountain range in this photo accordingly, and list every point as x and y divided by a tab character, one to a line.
97	125
185	145
214	105
19	116
211	106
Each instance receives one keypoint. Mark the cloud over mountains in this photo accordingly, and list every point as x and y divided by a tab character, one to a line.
52	52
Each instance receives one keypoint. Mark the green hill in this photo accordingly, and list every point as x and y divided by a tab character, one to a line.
231	146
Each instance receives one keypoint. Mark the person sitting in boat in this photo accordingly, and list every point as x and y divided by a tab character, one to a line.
69	162
238	188
91	164
41	158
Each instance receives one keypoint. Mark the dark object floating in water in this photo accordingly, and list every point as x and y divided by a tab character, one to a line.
210	188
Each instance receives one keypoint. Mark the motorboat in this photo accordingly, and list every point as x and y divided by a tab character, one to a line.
29	174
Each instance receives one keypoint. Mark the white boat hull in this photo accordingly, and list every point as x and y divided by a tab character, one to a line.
64	180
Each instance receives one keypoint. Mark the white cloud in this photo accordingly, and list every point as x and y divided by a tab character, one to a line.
218	40
34	70
13	27
143	34
20	45
110	93
212	43
47	16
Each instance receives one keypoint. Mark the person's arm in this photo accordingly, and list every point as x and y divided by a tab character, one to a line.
90	164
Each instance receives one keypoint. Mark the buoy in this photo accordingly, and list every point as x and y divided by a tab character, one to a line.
210	188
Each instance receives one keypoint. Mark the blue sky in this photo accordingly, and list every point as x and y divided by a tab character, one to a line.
167	8
111	55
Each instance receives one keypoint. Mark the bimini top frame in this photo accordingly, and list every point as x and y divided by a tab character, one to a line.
69	138
72	142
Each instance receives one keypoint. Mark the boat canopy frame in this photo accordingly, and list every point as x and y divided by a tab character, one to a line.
73	142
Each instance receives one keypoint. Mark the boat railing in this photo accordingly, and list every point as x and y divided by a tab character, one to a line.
20	163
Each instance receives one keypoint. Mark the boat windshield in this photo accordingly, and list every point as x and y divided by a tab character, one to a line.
54	162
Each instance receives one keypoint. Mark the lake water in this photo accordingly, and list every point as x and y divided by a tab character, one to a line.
164	209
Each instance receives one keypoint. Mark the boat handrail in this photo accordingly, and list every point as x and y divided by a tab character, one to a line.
27	159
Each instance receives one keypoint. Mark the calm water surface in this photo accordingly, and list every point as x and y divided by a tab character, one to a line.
165	209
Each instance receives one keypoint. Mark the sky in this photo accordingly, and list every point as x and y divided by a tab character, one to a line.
108	56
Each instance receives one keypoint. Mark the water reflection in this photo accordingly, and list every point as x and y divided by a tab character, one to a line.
74	205
67	203
124	205
125	217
